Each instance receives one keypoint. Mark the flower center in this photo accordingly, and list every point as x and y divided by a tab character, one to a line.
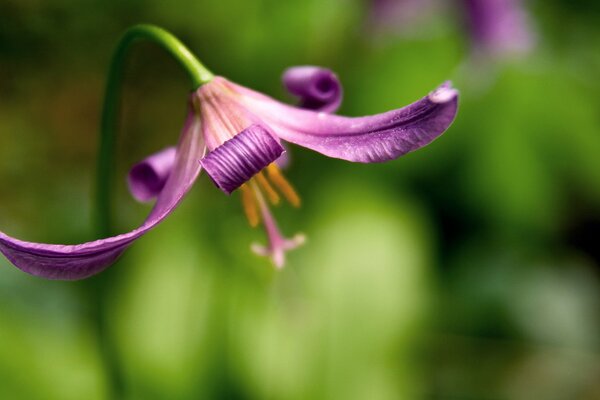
242	154
247	160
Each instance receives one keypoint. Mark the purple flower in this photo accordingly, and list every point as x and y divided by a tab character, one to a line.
236	134
498	27
404	17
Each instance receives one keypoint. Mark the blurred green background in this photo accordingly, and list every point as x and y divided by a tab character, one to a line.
466	270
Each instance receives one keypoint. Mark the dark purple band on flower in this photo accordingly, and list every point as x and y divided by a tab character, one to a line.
148	177
318	88
240	158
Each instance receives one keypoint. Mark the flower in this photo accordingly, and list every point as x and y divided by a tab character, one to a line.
498	27
403	17
235	134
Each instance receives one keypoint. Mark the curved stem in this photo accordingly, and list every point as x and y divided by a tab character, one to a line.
96	288
197	73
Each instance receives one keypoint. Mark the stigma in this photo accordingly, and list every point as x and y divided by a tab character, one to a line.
268	187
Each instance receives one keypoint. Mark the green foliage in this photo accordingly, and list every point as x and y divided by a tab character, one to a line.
468	269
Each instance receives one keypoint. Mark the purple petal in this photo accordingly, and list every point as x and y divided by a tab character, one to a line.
54	261
147	178
238	159
318	88
368	139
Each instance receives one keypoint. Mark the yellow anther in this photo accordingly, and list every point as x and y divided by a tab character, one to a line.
250	206
266	186
283	185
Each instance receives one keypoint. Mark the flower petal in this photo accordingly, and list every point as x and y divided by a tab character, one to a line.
240	158
147	178
318	88
54	261
375	138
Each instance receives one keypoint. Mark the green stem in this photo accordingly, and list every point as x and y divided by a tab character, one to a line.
197	73
97	288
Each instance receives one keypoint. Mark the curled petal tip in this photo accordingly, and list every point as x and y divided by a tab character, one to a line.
147	178
318	88
443	94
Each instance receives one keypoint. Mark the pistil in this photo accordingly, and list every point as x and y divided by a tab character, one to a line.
255	194
278	244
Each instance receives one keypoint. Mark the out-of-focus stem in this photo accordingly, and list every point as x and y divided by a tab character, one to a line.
197	73
97	288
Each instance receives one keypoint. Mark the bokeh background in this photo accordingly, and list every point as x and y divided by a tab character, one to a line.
466	270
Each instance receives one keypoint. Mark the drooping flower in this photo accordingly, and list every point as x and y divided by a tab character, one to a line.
235	134
317	89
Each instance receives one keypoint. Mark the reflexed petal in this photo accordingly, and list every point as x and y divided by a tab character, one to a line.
55	261
318	88
240	158
148	177
375	138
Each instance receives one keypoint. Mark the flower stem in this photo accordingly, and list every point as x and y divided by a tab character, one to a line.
97	289
197	73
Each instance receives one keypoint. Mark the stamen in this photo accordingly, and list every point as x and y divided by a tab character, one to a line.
250	206
266	186
283	185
